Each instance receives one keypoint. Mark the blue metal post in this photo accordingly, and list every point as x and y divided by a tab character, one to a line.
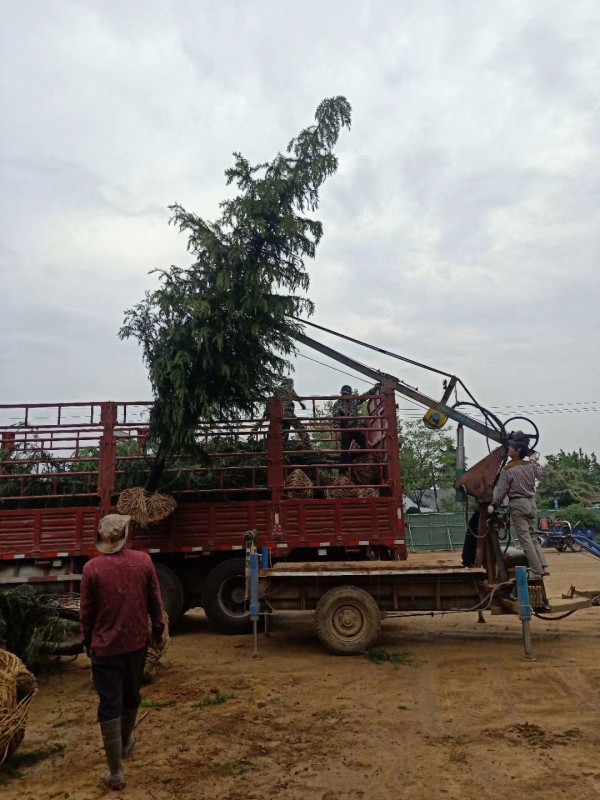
264	552
265	563
254	602
524	611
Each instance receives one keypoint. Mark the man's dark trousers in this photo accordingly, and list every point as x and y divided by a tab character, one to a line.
118	680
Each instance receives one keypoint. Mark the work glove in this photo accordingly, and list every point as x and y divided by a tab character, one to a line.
534	457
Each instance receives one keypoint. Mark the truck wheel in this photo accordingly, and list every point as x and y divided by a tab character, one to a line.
171	591
224	597
348	620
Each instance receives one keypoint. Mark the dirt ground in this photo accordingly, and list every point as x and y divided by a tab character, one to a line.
456	714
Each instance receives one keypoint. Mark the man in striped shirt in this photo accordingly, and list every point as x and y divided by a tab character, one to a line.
518	480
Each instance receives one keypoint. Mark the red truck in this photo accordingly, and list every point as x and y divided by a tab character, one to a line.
63	465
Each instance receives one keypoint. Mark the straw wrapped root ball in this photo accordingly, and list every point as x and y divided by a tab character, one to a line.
370	470
145	508
343	487
17	689
340	488
156	651
298	486
367	491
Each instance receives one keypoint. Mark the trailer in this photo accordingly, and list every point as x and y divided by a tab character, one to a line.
350	600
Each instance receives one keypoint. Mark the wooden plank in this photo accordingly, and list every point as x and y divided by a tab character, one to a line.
367	568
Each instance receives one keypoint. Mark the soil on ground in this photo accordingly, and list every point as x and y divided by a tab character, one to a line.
444	708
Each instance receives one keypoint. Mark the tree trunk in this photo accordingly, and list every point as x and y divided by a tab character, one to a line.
435	494
155	474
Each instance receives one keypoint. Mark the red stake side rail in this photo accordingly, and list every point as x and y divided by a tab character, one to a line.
63	465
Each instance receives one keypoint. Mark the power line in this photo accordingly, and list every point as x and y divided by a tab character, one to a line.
566	407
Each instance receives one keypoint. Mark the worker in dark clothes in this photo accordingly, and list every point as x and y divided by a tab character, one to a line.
345	412
119	591
287	393
469	553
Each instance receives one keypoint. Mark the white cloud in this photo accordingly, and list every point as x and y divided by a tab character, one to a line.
461	229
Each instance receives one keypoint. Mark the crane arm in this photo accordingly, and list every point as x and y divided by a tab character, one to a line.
391	382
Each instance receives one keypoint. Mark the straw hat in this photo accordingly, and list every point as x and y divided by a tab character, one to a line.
112	533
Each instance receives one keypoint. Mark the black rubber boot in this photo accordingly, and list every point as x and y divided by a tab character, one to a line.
128	718
113	747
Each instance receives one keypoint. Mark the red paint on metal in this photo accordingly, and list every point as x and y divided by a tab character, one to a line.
67	437
108	455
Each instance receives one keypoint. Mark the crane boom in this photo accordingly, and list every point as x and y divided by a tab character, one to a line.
391	382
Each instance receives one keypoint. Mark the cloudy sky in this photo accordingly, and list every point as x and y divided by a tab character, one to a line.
462	229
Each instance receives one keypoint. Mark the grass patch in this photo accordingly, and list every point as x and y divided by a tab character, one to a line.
228	769
402	708
216	699
157	703
378	656
12	769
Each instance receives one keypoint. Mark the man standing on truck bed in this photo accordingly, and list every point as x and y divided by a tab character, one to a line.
288	395
517	480
345	412
119	591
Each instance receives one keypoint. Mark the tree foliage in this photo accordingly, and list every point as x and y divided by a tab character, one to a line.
569	479
578	460
27	628
216	336
427	458
579	514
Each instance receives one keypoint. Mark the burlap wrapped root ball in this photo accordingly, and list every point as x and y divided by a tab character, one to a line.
298	486
145	508
17	690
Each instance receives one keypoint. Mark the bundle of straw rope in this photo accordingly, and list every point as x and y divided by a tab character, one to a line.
17	689
156	652
145	508
298	486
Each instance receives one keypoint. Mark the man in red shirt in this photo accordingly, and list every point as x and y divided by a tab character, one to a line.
119	591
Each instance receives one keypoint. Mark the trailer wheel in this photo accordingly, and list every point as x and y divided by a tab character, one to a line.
348	620
224	597
171	591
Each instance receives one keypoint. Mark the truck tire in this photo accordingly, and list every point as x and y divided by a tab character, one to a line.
172	593
348	620
224	597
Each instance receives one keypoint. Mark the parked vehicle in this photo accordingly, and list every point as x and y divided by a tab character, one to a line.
563	536
62	467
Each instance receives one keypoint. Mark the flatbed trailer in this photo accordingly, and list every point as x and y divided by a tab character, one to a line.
350	600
